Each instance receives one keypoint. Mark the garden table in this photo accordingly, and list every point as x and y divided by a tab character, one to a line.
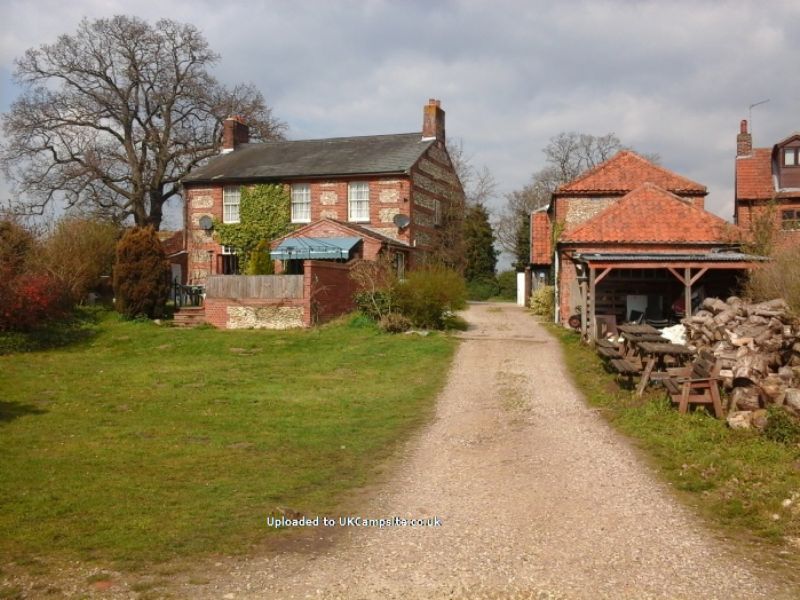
654	354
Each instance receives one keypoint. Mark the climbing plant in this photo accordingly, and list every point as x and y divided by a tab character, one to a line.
264	214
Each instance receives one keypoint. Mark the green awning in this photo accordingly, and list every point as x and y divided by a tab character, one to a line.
309	248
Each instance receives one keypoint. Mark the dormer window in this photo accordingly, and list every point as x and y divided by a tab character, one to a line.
791	157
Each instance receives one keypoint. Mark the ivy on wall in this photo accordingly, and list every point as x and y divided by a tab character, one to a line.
264	215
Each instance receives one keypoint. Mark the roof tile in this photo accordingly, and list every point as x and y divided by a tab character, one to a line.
650	214
626	171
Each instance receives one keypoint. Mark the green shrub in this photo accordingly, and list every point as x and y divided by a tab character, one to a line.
141	274
260	260
427	293
781	426
543	301
374	304
482	289
451	321
507	285
394	323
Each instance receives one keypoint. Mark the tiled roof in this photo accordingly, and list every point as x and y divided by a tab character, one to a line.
754	175
650	214
626	171
314	158
345	227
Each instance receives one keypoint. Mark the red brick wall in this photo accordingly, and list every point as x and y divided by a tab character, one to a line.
541	239
201	201
327	293
327	290
389	196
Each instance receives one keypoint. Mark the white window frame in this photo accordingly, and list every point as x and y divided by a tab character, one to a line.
358	202
301	203
229	250
231	202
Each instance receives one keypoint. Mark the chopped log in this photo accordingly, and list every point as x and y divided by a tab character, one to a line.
751	367
714	305
792	401
773	389
745	398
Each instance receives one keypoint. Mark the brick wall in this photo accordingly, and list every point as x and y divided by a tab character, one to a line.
328	290
201	202
389	196
327	293
433	179
541	239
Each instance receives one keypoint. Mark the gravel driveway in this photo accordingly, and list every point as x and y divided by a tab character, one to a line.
537	497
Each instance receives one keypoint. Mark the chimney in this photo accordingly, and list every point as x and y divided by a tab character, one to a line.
433	121
234	132
744	141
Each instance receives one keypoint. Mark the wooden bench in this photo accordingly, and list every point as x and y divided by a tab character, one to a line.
610	353
696	384
625	368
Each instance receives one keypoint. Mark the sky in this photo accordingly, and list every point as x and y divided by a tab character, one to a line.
672	78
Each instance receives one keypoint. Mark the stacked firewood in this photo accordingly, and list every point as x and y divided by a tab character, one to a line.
757	348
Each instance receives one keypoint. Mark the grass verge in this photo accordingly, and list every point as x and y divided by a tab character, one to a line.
145	443
738	479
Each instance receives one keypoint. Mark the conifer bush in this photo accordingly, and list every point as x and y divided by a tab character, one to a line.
141	274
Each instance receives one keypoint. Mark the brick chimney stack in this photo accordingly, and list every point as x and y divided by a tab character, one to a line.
234	132
433	121
744	141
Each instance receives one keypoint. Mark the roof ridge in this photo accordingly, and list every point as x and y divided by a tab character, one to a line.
333	139
620	156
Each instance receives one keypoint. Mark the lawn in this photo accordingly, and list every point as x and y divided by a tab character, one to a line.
738	479
144	443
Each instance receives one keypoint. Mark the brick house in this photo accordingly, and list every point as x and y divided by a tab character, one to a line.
768	176
632	239
350	197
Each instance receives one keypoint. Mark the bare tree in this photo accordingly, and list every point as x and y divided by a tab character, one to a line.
112	117
567	156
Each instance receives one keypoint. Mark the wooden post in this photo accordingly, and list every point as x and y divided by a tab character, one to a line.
687	288
583	309
592	295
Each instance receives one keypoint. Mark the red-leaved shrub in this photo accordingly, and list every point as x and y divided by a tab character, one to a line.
28	301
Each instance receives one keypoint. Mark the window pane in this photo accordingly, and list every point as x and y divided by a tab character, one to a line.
789	156
231	197
301	203
358	201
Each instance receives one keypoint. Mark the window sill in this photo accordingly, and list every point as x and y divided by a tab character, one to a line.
358	220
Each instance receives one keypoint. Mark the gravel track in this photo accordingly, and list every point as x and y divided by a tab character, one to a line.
538	498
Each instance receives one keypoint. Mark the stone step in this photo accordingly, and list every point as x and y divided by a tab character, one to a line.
189	316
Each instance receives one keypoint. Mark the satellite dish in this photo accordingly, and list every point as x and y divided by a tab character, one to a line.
206	222
402	221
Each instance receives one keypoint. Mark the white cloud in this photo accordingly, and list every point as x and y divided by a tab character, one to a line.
667	77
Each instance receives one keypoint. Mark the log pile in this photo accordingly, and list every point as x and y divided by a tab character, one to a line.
757	348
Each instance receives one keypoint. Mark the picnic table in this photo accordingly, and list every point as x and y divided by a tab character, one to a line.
632	341
637	329
655	355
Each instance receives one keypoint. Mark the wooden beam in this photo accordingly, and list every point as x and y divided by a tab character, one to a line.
605	272
592	301
698	276
687	291
584	304
677	265
678	276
